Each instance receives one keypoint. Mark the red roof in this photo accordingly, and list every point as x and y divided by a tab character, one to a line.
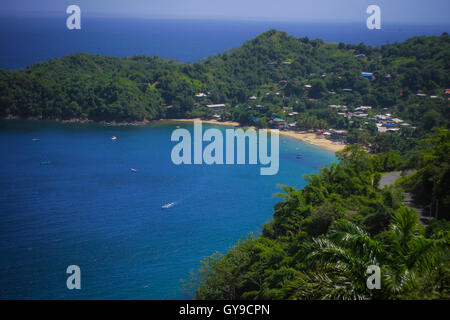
447	91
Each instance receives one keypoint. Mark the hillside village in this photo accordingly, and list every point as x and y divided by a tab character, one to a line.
379	97
285	118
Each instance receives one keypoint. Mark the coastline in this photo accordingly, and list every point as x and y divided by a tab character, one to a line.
303	136
81	120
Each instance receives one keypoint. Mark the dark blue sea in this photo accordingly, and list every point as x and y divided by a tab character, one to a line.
85	207
27	40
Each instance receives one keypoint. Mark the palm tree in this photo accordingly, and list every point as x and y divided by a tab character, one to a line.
335	265
339	260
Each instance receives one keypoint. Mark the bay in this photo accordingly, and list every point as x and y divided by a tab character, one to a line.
85	207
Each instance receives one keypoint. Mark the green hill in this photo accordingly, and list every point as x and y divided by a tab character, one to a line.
137	88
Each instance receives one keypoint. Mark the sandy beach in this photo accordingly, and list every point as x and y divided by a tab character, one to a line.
307	137
311	138
222	123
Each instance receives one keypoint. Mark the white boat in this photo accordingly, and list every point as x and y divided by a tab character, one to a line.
167	206
113	138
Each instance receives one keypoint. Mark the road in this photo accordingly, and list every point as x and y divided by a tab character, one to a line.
390	178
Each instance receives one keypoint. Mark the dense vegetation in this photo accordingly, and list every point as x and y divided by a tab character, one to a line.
274	67
321	238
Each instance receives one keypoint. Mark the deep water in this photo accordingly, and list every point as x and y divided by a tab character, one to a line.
70	198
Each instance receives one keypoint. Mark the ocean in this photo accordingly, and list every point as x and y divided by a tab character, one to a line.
71	199
28	40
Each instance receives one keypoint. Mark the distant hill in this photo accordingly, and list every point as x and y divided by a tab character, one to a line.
86	86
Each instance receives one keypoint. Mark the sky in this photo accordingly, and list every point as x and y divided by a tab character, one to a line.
392	11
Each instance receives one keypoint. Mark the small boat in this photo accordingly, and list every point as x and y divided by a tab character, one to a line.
167	206
46	163
133	170
35	139
299	156
113	138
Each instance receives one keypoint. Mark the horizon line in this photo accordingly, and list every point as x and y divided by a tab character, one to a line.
97	15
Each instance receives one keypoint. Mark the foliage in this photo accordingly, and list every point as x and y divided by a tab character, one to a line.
323	237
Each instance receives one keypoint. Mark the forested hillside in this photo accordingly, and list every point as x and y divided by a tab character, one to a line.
274	67
322	238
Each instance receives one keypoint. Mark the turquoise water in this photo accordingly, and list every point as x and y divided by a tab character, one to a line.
87	208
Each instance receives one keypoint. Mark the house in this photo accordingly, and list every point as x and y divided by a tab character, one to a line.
360	56
252	98
286	62
308	86
337	134
333	106
216	106
282	82
382	117
367	74
201	95
397	120
363	108
279	123
347	90
388	129
447	91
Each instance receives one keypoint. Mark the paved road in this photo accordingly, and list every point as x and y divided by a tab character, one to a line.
390	178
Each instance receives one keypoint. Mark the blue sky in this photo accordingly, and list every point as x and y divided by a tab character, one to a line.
401	11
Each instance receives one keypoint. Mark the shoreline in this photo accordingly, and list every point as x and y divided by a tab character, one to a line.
80	120
303	136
